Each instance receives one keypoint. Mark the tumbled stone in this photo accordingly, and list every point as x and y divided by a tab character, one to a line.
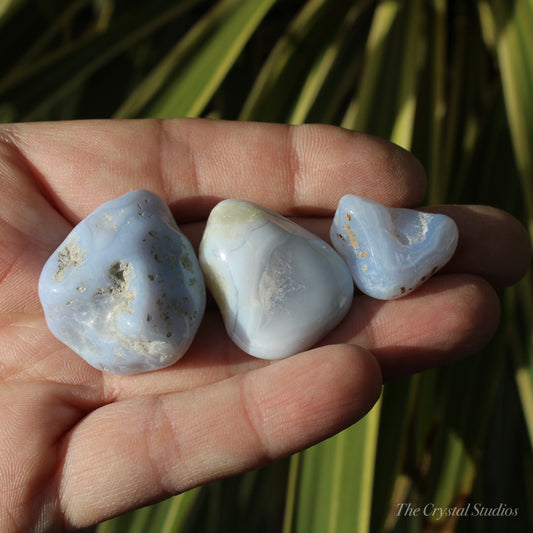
124	290
391	251
279	287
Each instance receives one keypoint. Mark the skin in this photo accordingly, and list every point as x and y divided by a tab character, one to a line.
78	446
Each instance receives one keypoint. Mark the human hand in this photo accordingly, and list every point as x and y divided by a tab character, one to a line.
78	446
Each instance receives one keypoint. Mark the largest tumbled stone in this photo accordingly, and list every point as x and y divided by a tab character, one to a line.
124	290
279	287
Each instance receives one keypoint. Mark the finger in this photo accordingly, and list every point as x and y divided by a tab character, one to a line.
492	244
449	317
33	418
212	357
193	163
148	448
190	163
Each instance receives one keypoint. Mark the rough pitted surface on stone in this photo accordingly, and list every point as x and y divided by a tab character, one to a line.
124	290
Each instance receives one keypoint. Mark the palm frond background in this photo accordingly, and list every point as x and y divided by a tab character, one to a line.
450	80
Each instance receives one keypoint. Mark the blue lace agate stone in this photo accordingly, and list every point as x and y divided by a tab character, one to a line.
124	290
391	251
279	288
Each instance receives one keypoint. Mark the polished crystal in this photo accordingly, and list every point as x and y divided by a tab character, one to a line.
279	287
391	251
124	290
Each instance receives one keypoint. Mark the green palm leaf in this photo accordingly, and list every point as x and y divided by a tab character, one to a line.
184	82
450	80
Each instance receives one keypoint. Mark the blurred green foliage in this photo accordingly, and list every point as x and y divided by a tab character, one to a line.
450	80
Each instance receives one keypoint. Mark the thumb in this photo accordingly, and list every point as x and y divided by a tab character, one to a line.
139	450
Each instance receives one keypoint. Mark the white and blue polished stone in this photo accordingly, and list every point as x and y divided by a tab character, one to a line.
391	251
279	287
124	290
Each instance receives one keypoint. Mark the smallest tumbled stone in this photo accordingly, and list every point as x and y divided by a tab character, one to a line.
391	251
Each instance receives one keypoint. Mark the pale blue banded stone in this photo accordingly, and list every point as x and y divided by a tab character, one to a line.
391	251
279	288
124	290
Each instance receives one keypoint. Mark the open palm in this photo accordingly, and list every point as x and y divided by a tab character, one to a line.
78	446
